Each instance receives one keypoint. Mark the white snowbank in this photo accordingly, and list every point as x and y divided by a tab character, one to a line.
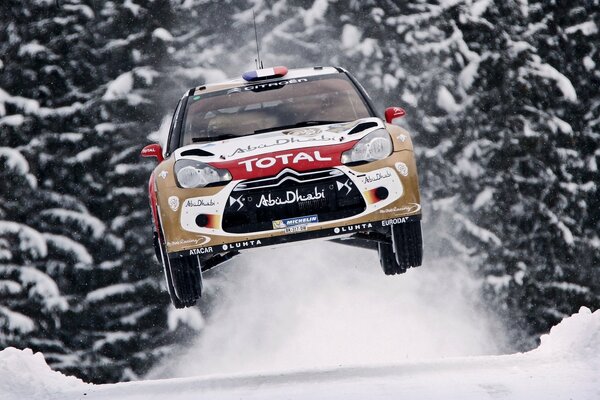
576	337
565	366
25	375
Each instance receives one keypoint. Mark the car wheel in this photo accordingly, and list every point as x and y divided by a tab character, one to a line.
187	279
387	259
407	242
162	255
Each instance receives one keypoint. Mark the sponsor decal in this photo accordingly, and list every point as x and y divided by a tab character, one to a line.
409	208
402	168
298	221
402	138
352	228
202	240
394	221
284	159
346	185
296	229
196	98
201	250
303	132
282	142
233	200
290	198
174	203
242	245
200	203
266	86
376	176
272	85
163	174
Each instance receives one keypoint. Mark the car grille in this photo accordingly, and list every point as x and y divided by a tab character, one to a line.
253	206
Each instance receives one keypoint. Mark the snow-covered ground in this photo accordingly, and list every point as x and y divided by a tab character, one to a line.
328	324
565	366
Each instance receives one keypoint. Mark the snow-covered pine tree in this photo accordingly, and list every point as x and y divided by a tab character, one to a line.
80	77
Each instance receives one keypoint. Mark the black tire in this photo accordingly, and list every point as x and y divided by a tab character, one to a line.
407	242
186	278
387	259
167	271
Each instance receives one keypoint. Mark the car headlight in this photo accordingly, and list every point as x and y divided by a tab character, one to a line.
195	174
377	145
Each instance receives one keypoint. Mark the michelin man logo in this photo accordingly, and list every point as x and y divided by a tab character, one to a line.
402	168
174	203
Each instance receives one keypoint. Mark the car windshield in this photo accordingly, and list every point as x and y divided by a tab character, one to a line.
273	105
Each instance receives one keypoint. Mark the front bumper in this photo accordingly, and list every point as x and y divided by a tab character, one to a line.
290	207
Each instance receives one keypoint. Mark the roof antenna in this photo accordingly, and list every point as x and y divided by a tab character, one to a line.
258	61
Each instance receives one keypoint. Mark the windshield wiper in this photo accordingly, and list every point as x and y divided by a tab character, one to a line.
214	138
298	125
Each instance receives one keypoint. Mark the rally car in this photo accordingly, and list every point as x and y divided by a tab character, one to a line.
281	156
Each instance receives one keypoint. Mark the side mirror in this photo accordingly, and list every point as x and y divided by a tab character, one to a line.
153	150
391	113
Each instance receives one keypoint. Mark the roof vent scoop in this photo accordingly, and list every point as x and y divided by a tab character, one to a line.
265	73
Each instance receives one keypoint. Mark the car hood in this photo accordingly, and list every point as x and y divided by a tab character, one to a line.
286	139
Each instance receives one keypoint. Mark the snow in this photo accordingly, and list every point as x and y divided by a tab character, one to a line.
30	240
25	375
480	7
587	28
82	9
87	221
119	87
563	83
43	287
564	366
69	246
315	13
112	338
162	34
210	75
134	8
87	154
14	160
14	120
105	127
484	197
109	291
147	74
187	316
588	63
350	36
446	101
9	287
481	233
15	322
32	49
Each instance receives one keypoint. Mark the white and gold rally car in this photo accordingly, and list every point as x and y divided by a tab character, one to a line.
281	156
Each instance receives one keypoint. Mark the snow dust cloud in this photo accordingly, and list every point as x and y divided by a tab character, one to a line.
322	304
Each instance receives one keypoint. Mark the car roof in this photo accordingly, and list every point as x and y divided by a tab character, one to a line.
237	82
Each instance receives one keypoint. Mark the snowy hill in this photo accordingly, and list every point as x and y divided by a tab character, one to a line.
565	366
